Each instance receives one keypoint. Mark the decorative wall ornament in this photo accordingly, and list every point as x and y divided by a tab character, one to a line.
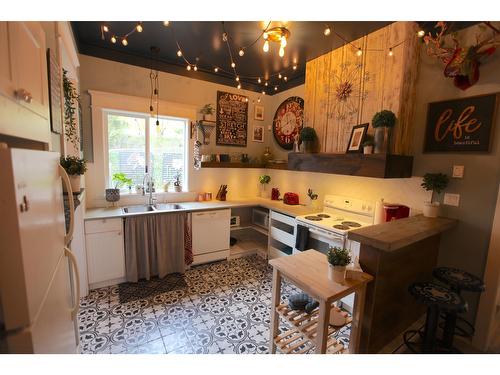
288	121
462	62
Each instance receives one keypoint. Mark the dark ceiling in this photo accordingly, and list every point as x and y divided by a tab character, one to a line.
203	40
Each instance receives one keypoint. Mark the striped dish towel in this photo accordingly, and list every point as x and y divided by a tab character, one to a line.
188	244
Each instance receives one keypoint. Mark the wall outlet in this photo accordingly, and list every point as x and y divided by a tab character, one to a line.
458	171
451	199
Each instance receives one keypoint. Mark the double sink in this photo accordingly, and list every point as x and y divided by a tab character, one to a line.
151	208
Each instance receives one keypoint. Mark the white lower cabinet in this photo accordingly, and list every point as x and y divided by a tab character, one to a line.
105	252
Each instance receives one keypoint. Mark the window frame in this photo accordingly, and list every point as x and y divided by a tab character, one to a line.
148	121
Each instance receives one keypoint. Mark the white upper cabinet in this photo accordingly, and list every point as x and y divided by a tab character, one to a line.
24	97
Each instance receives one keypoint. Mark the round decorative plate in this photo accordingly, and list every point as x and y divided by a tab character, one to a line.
288	121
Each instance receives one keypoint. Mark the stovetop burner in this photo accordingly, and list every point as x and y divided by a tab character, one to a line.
340	226
323	216
351	224
313	218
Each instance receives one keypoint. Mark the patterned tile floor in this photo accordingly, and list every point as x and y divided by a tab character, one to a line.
225	308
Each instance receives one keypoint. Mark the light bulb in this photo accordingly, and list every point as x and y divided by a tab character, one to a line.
279	75
281	52
246	99
421	33
216	69
113	39
391	53
124	41
179	53
241	53
166	23
283	41
265	48
275	88
233	65
327	31
139	28
359	52
265	36
263	92
259	80
265	84
105	28
239	86
195	68
258	100
285	78
295	67
188	67
237	78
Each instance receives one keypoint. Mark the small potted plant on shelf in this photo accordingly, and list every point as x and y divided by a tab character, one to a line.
120	179
368	144
383	122
308	138
75	168
314	198
264	181
435	182
178	182
338	258
208	112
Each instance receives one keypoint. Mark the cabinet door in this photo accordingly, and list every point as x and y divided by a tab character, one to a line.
7	85
27	42
105	256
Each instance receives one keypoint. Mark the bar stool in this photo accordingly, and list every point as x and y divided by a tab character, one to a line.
438	299
457	280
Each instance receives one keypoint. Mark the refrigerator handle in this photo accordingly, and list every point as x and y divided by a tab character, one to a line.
69	236
72	257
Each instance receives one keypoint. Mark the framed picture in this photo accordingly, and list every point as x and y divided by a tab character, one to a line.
55	93
232	118
259	112
357	137
258	133
461	125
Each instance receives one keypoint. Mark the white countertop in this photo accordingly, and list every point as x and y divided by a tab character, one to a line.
113	212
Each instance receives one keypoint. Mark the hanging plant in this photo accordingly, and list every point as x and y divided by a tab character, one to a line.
71	101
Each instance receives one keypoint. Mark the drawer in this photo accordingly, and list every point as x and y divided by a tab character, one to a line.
103	225
282	236
283	218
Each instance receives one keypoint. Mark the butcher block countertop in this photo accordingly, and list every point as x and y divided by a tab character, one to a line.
400	233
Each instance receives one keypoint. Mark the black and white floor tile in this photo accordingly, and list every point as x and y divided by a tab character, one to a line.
223	308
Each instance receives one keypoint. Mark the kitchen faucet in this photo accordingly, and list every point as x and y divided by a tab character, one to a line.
148	179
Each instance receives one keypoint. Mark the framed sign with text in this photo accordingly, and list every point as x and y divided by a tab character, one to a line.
232	117
460	125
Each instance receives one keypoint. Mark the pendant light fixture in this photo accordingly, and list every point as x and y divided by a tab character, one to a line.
278	35
154	84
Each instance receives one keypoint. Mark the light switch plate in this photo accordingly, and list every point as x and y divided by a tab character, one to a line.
458	171
451	199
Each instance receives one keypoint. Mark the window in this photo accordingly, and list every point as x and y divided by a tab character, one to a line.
135	141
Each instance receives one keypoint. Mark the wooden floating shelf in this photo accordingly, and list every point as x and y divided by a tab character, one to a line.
373	165
227	164
301	337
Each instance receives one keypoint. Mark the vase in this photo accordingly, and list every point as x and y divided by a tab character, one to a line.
75	182
367	150
208	117
264	193
336	273
308	146
112	195
177	188
380	138
431	209
315	204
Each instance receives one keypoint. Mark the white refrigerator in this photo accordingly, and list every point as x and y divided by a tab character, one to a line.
39	280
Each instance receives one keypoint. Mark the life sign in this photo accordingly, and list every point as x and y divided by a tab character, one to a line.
461	124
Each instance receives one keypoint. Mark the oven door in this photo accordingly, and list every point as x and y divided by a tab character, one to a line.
321	240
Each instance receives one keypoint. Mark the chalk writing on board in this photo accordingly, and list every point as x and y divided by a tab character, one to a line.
232	117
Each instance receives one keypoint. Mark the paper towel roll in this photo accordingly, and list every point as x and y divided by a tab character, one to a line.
379	212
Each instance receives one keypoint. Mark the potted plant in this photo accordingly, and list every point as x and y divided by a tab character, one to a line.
338	258
314	198
264	180
177	182
382	122
308	138
435	182
120	179
208	112
368	144
74	167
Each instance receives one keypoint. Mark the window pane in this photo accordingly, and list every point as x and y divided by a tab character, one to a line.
127	147
167	151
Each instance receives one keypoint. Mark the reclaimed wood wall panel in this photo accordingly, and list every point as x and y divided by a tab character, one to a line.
377	81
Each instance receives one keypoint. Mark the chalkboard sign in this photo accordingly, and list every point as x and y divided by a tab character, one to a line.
461	124
232	115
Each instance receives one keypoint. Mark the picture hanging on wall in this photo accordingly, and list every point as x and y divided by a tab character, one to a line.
461	125
358	133
258	133
55	93
232	117
259	112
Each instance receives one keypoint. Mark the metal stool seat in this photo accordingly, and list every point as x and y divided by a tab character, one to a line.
437	298
459	280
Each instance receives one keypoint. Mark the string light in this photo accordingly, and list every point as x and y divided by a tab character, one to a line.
391	53
113	39
259	80
246	99
258	99
327	31
216	69
195	68
285	78
263	92
179	53
279	75
295	67
275	88
359	52
124	41
105	28
233	65
265	84
421	33
188	67
139	28
241	53
237	78
166	23
265	48
239	86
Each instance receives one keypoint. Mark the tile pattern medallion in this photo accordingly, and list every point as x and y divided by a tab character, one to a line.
224	307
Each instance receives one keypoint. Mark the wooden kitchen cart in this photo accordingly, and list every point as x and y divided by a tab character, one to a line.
309	271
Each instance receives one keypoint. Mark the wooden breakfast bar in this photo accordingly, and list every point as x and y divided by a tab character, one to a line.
397	254
309	272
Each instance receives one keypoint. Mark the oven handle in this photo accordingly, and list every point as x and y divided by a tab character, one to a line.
323	234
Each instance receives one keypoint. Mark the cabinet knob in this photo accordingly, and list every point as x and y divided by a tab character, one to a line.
22	94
